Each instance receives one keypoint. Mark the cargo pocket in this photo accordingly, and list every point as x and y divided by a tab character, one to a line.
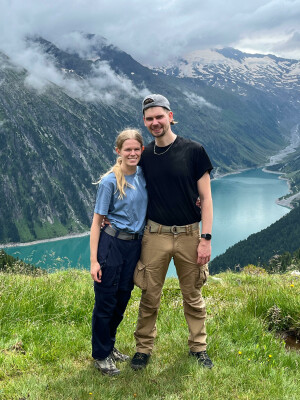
110	275
110	260
202	276
139	276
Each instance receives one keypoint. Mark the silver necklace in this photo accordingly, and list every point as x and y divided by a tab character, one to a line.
159	154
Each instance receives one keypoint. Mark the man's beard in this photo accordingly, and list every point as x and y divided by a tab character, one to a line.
159	135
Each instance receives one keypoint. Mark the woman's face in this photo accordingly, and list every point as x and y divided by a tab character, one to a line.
130	153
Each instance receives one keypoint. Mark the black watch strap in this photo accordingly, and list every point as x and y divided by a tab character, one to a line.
206	236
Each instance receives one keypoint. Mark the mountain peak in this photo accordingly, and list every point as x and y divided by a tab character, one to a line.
230	52
238	71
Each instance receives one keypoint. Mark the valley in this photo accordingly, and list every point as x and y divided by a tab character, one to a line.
58	125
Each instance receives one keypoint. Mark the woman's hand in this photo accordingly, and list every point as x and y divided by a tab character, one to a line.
96	272
94	242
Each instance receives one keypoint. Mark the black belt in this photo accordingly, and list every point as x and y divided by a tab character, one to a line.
121	234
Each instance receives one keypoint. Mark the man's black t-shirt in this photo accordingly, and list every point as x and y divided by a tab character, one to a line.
171	179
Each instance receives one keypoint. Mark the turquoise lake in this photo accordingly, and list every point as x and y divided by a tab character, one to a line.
244	203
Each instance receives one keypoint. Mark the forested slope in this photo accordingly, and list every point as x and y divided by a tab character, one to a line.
282	236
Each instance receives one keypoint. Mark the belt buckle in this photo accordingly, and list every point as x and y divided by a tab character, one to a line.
174	229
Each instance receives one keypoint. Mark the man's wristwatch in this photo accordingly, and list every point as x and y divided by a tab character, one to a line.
206	236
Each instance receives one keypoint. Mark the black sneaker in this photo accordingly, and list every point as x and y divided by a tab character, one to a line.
107	366
139	361
202	358
118	356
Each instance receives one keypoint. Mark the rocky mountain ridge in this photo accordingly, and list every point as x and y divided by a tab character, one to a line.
58	124
218	66
232	69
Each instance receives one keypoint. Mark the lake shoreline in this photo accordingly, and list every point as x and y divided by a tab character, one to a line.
277	158
284	203
21	244
234	193
238	171
294	142
77	235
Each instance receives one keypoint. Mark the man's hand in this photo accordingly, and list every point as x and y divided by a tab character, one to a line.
105	221
198	202
204	252
96	272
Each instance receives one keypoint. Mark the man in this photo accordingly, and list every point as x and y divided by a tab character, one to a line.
177	171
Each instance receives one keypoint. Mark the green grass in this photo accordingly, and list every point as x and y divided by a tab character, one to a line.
45	349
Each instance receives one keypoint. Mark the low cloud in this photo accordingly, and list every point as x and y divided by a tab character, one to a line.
85	45
199	101
180	26
290	46
103	84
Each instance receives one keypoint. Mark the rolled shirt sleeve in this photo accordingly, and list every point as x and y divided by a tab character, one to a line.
104	197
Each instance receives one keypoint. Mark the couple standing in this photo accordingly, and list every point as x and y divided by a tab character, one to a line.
175	172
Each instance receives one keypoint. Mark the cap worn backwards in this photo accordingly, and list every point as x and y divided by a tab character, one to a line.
155	100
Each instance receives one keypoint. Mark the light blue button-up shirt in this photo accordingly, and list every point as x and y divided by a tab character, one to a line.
127	214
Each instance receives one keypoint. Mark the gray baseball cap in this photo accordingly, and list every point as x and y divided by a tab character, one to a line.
155	100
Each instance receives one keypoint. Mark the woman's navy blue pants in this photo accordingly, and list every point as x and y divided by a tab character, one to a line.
117	259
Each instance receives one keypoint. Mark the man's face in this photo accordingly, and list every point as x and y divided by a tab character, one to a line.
157	121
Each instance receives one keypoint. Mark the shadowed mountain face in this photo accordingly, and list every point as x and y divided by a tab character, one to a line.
58	125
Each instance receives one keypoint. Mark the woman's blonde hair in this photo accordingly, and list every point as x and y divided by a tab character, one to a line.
116	169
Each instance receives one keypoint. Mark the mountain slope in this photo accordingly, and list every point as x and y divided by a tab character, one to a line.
230	69
248	128
52	147
257	249
57	131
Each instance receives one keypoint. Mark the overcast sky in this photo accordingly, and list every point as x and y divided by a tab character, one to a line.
154	32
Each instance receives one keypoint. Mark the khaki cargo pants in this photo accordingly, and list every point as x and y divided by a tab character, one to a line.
157	250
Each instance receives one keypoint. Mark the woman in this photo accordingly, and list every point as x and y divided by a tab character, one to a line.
122	197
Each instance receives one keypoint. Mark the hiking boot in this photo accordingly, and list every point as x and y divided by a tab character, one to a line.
107	366
202	358
139	361
118	356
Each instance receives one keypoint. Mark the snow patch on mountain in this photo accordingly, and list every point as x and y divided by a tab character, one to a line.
232	68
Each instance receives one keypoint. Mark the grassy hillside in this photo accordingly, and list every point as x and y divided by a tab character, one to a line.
45	349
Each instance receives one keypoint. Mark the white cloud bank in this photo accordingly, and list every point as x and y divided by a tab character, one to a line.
103	84
155	32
